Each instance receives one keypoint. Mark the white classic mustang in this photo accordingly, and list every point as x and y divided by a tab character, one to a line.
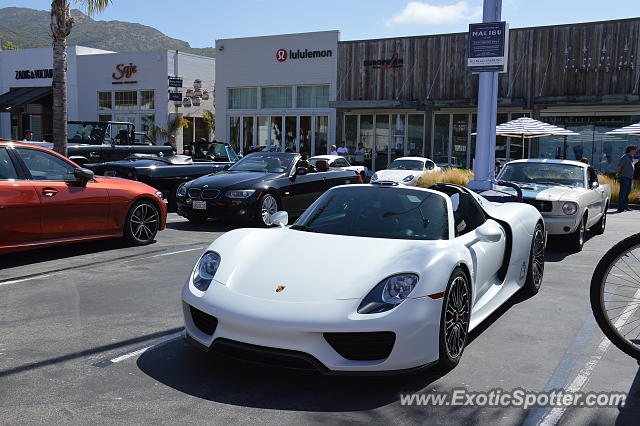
339	162
413	271
405	170
567	193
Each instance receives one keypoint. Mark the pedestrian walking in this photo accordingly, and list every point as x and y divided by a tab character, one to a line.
625	177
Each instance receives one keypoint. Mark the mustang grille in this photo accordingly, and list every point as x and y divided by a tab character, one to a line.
210	193
362	346
205	322
195	192
541	205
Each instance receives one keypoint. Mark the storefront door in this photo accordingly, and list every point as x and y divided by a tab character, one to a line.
382	143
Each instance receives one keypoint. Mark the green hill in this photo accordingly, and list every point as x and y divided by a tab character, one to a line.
28	28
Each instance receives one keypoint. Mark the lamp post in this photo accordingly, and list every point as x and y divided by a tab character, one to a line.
483	168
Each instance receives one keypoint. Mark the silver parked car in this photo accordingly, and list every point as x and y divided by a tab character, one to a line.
567	194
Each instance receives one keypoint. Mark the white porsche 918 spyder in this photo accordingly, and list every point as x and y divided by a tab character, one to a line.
376	278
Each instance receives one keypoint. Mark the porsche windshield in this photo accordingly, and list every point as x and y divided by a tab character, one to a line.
378	212
266	162
406	165
544	174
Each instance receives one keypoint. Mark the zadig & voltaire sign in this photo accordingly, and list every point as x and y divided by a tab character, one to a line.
32	74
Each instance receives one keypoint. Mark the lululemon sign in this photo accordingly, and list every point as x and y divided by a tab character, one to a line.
281	55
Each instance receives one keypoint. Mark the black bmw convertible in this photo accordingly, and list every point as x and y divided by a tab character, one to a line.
257	186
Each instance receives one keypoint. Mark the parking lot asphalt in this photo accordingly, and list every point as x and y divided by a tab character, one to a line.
92	334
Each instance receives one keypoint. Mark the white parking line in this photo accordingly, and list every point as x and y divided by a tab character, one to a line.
555	415
35	277
140	350
176	252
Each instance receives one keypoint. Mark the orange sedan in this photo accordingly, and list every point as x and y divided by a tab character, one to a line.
45	199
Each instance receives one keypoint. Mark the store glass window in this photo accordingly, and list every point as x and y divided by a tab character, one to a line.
290	130
441	139
459	136
501	141
312	96
383	138
243	98
104	117
276	97
305	135
350	130
415	135
126	100
518	148
398	133
366	139
276	132
247	133
104	100
322	133
263	131
147	121
234	133
147	99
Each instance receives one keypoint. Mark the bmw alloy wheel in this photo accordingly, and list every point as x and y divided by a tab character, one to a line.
456	317
143	223
268	206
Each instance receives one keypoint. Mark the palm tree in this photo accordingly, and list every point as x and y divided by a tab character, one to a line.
61	23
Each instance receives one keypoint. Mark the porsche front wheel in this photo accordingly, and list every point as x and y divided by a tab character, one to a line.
454	320
536	262
142	223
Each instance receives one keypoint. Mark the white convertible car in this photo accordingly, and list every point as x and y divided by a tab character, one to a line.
567	193
413	271
339	162
405	170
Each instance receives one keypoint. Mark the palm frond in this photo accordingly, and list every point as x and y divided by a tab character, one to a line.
94	6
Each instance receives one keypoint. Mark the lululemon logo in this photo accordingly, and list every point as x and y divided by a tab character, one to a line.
281	55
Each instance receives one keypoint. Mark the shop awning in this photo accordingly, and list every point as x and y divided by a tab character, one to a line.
21	96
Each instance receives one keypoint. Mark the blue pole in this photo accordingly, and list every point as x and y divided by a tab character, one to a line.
483	167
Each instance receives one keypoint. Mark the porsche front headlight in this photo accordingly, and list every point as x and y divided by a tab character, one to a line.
569	208
205	270
182	190
408	178
388	294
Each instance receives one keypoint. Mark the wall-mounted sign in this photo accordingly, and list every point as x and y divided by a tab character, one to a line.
488	47
175	96
175	82
384	64
31	74
283	54
124	71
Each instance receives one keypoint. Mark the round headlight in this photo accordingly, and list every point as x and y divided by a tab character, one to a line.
205	270
374	177
182	190
388	294
408	178
569	208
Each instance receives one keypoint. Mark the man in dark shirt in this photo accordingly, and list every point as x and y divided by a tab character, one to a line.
625	177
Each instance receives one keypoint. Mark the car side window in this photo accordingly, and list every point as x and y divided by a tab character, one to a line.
45	166
467	215
429	165
342	162
7	169
592	176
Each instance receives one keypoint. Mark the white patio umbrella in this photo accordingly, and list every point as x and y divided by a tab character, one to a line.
633	129
527	128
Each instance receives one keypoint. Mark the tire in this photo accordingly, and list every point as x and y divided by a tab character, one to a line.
456	309
576	240
535	271
267	205
599	228
141	224
597	294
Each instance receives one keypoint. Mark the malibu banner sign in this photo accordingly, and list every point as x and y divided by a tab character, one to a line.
488	47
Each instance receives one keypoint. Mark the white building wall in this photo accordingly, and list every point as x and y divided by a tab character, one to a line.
251	62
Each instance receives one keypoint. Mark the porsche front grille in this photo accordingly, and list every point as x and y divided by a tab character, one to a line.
203	321
362	346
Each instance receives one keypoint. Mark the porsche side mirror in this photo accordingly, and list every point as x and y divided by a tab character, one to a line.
301	171
83	174
280	219
489	233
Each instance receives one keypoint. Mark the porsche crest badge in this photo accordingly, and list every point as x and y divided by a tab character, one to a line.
280	288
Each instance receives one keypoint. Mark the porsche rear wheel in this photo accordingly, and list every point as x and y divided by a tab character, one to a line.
142	223
455	317
536	262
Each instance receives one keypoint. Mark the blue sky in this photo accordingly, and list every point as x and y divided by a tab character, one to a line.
201	22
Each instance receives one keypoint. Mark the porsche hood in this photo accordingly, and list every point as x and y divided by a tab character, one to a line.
297	266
